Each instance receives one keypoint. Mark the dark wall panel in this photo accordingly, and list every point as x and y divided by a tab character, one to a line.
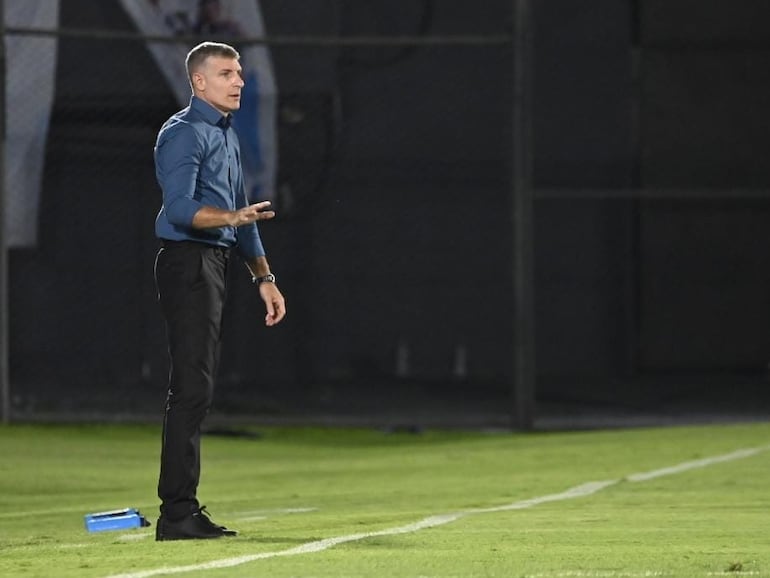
705	277
706	22
583	138
705	120
583	102
705	124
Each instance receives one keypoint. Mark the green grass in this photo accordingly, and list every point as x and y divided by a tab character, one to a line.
708	521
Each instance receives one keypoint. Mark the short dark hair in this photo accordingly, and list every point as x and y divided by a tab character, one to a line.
200	53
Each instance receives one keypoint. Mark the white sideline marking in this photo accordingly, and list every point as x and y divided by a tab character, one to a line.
28	513
576	492
683	467
134	537
253	515
277	511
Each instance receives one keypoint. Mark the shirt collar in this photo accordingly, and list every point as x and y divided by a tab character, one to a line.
209	113
225	121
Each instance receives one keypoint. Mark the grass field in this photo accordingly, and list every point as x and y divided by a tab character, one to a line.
345	503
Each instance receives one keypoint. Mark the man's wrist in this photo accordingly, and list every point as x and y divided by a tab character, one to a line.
258	280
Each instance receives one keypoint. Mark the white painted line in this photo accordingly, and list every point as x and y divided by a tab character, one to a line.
576	492
134	537
262	514
28	513
580	491
282	511
705	462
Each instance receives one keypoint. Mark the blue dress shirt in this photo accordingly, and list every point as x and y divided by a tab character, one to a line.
197	164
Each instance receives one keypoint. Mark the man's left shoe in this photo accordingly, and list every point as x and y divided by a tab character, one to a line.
207	518
196	526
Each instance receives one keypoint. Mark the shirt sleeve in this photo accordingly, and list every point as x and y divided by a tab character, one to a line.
249	242
178	156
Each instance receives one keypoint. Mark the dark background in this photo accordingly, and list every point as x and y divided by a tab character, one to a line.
393	243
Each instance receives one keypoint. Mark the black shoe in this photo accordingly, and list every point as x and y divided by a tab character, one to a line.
196	526
207	518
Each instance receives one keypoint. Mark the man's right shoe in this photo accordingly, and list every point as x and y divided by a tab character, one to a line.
196	526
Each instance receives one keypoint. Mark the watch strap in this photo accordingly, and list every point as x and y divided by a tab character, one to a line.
269	278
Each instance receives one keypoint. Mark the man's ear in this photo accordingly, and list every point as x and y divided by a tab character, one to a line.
198	81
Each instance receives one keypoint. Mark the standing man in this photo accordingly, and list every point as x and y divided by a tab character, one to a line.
204	215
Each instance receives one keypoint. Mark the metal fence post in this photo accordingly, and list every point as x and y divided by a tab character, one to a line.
522	216
5	387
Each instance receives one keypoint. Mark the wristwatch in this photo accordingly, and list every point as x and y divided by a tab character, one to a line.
269	278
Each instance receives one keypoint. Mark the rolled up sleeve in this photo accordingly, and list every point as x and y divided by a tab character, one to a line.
249	242
178	155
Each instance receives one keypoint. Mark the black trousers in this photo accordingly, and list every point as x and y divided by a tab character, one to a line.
191	283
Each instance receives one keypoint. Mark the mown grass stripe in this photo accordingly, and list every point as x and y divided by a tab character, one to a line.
579	491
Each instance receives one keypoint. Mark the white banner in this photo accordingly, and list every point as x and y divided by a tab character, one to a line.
29	93
231	19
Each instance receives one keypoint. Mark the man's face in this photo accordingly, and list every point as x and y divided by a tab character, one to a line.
219	82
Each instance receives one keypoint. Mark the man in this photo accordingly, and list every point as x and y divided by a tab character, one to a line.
204	215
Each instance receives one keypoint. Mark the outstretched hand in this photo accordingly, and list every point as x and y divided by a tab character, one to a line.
252	213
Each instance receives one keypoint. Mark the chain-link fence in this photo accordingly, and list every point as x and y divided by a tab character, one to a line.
393	241
393	182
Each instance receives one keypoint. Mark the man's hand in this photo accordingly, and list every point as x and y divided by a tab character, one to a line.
274	302
251	214
212	217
